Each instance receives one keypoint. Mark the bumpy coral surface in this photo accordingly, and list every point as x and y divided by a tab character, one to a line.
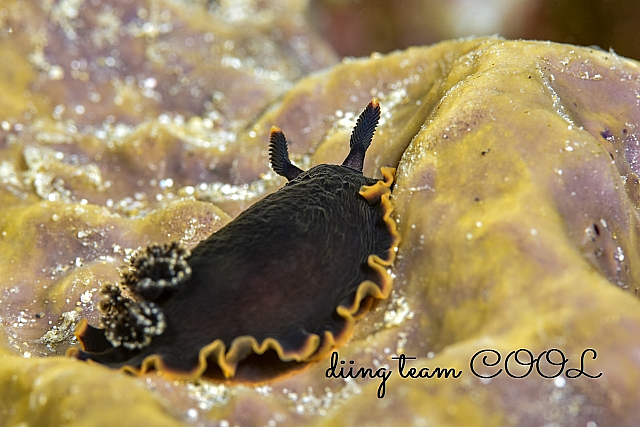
517	195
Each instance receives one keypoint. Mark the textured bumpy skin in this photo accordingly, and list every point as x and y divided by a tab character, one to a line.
286	279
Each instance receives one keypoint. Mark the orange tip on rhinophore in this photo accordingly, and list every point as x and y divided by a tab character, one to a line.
374	102
275	129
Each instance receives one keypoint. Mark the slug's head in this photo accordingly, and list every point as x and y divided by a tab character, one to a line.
360	140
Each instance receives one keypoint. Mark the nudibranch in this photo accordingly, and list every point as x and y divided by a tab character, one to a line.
276	288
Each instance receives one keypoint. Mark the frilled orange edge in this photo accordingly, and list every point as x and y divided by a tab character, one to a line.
378	286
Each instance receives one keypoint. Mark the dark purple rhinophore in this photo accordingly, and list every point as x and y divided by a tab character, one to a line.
279	286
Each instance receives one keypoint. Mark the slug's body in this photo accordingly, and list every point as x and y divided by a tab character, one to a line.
277	287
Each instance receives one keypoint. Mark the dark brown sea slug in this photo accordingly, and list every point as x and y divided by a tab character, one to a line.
276	288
